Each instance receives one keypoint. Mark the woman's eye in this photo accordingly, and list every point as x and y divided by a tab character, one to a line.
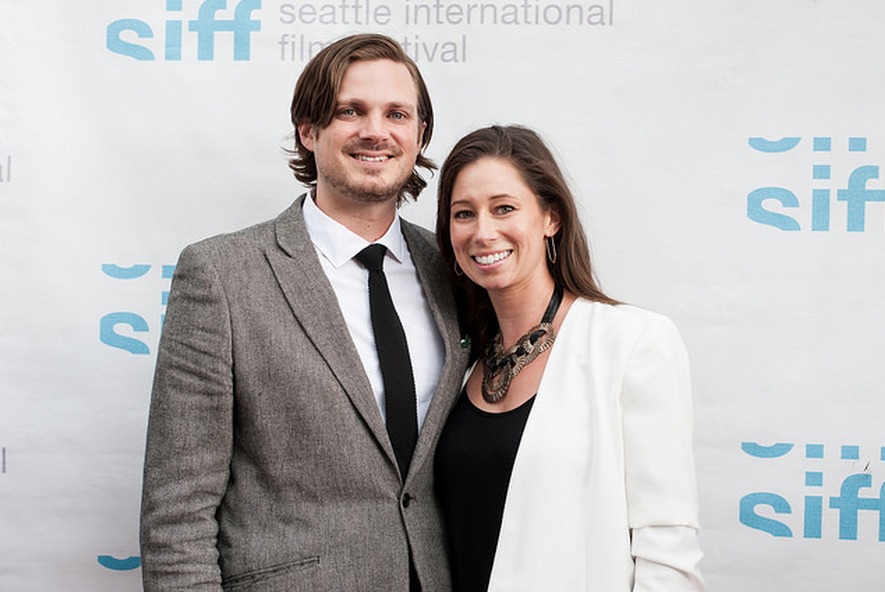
461	215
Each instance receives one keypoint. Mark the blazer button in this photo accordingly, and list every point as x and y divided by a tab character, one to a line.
407	500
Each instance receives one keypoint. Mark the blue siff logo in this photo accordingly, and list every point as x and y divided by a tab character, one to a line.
115	564
846	506
205	26
768	205
110	324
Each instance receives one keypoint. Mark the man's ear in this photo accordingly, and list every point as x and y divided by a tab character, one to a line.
421	131
306	135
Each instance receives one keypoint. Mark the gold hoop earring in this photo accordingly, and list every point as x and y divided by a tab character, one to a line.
458	271
551	249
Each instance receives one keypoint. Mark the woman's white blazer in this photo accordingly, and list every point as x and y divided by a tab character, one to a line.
603	492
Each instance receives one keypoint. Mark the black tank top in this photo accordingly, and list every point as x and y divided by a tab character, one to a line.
474	459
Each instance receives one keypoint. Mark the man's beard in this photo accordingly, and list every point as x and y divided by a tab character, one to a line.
362	193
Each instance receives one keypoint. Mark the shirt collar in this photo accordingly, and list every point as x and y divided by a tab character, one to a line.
339	244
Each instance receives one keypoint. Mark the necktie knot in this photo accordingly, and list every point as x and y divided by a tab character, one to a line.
372	257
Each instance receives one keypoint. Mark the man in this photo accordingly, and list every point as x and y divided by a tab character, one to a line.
269	465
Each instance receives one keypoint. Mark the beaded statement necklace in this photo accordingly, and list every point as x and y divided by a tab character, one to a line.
501	367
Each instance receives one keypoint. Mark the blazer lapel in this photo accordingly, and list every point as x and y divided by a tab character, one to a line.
438	291
309	294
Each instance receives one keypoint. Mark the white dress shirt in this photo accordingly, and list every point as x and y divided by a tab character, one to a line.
336	246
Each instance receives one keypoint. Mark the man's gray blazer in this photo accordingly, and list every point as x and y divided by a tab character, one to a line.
268	466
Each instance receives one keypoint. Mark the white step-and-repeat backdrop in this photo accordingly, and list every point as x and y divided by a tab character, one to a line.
726	155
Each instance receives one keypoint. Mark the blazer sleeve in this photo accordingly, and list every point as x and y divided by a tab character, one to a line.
189	433
659	461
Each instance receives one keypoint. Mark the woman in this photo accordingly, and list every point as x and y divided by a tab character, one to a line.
562	467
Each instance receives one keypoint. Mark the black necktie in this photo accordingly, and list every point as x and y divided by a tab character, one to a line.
393	354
